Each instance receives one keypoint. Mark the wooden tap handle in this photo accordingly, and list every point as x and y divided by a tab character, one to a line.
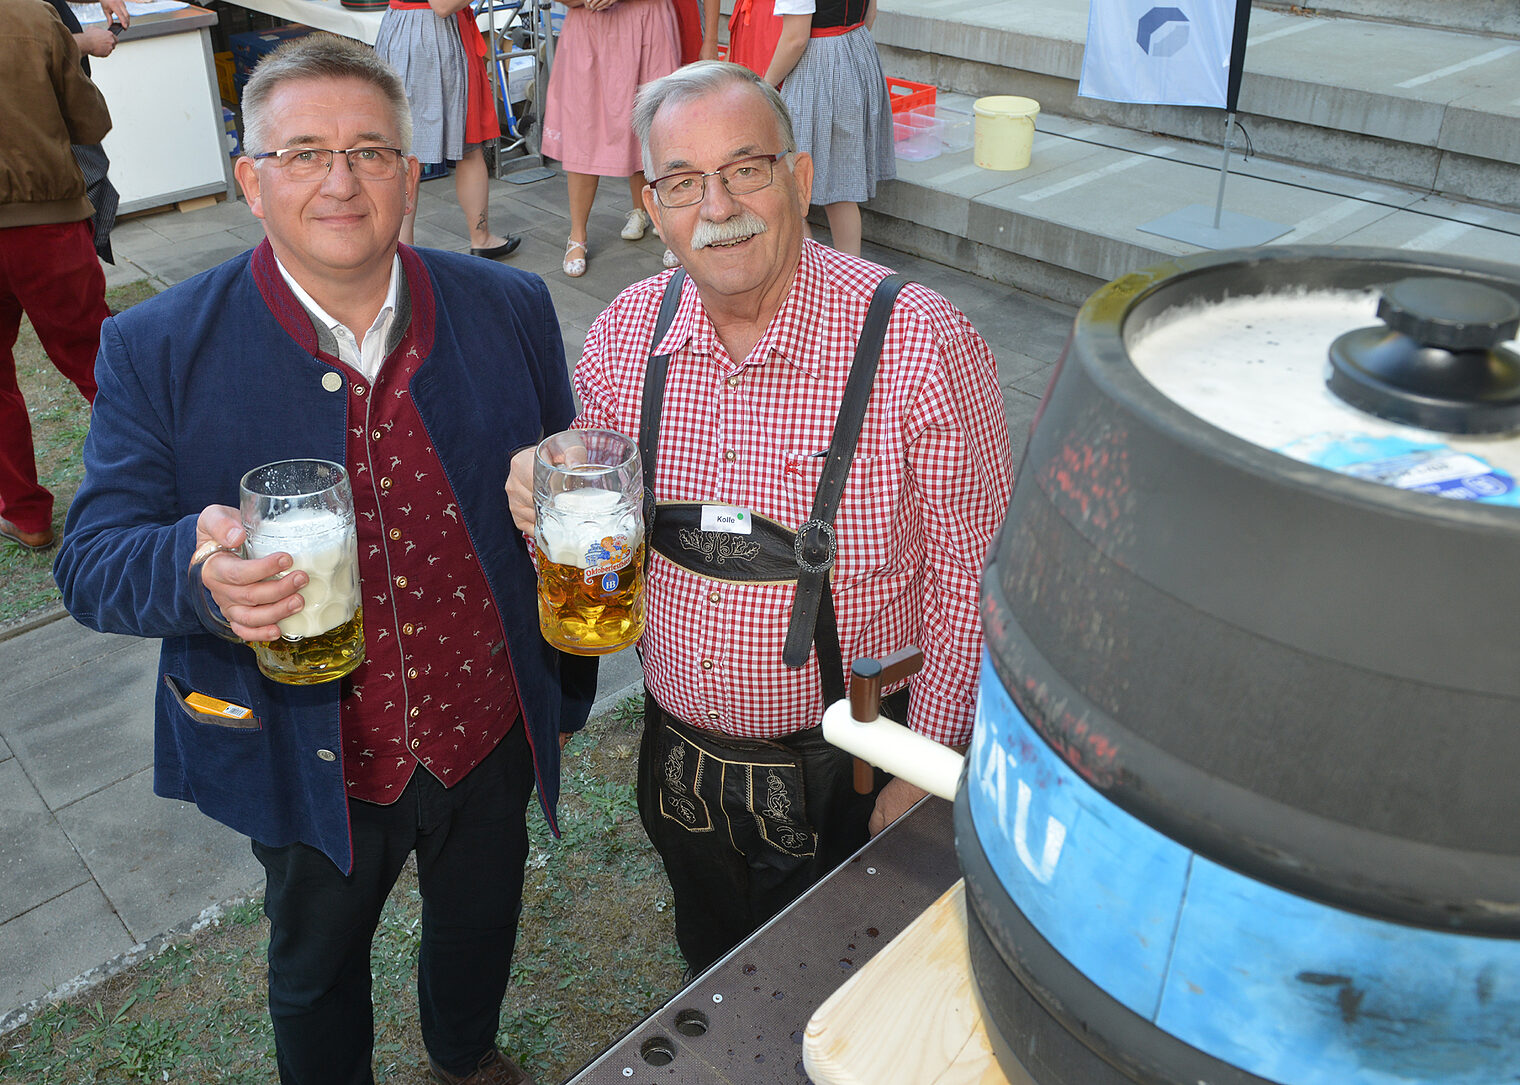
867	676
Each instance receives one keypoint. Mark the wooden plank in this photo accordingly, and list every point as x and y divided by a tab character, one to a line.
909	1017
196	204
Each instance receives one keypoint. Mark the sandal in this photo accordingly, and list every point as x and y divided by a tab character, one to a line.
577	267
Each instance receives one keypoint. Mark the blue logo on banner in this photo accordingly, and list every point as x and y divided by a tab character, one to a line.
1162	32
609	582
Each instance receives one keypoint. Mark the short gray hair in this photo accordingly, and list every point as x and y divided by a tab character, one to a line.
320	56
698	81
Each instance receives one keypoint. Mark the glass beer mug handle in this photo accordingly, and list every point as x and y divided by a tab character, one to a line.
202	598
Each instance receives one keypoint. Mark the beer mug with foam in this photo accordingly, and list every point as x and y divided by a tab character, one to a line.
588	494
306	509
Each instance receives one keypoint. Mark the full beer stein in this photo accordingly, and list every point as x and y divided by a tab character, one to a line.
588	493
305	508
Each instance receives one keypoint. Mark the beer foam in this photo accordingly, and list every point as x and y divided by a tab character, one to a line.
1256	367
300	530
322	545
574	523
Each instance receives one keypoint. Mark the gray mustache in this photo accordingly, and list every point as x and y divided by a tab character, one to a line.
717	233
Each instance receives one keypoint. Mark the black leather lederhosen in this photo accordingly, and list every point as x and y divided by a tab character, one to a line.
744	825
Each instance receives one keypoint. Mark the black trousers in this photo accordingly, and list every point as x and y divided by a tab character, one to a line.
471	842
746	826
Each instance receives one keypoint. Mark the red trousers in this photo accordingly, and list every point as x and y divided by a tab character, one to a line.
50	272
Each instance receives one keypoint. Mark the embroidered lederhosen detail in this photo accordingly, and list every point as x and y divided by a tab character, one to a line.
773	552
764	556
707	781
681	788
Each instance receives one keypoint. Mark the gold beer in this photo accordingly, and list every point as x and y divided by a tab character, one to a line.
589	612
589	541
306	661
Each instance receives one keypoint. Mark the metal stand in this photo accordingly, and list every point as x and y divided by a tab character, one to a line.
1226	229
533	17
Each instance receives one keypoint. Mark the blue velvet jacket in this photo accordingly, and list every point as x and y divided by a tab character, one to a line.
205	382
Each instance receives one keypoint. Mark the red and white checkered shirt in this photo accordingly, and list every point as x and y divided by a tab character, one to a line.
927	490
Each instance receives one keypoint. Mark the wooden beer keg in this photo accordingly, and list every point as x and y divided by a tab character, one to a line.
1241	805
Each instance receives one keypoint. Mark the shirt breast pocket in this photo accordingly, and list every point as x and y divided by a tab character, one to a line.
863	523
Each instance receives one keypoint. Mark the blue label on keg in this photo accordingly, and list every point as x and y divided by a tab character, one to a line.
1408	465
609	582
1280	986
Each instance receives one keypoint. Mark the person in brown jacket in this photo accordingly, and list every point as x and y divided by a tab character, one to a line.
48	267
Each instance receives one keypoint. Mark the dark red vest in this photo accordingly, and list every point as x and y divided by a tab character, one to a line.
435	687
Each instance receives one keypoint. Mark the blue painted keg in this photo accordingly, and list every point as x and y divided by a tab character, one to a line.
1242	801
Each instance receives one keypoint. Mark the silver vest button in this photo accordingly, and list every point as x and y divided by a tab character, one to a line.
327	755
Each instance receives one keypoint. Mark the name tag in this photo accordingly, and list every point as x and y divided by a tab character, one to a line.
725	518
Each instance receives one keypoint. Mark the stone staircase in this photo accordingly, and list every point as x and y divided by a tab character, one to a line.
1365	127
1500	17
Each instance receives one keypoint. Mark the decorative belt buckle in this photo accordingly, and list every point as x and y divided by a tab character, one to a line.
798	544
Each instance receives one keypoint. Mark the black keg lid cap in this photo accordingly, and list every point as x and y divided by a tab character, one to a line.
1436	363
1450	313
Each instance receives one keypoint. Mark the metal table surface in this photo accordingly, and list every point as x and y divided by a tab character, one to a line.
743	1019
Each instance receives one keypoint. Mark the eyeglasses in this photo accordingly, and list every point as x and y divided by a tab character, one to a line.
739	179
314	163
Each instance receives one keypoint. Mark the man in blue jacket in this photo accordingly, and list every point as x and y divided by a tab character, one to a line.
420	372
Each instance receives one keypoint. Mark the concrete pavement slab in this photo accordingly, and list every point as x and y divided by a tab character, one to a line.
158	861
431	231
1027	342
1021	407
179	226
50	650
37	862
52	944
85	730
175	261
1032	384
250	235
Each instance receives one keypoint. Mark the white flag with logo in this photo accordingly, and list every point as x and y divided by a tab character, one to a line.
1162	52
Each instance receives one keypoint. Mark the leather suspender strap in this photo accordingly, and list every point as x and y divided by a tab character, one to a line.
813	607
653	403
813	548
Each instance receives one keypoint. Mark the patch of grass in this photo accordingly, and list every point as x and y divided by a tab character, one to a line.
595	955
60	418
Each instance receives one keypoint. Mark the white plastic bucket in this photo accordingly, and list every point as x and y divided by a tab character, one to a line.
1004	131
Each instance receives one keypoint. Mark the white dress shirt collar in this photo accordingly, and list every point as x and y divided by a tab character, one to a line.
365	355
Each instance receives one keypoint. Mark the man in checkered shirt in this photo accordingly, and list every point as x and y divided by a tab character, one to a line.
746	803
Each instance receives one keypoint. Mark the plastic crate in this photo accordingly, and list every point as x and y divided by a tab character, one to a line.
956	125
916	136
254	45
907	95
226	78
